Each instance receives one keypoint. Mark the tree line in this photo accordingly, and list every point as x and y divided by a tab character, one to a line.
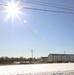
7	60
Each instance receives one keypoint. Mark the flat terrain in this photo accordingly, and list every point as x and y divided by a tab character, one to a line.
37	69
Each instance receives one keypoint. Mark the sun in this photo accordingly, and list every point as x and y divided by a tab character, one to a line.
12	9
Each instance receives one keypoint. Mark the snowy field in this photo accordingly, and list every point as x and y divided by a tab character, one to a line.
38	69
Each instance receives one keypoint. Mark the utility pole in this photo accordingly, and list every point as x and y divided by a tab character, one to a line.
32	54
64	52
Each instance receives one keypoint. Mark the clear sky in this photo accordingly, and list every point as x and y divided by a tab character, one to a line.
44	32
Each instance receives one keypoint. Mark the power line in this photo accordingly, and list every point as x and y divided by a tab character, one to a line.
48	10
41	2
48	4
23	7
3	5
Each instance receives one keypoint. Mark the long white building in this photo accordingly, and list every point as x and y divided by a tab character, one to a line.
61	58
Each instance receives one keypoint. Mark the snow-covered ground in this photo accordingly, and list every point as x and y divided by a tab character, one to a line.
38	69
45	73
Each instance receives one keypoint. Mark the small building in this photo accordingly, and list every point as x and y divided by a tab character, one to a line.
44	59
61	58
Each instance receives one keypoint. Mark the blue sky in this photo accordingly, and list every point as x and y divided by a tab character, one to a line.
44	32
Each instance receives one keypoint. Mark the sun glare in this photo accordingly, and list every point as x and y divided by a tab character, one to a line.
12	9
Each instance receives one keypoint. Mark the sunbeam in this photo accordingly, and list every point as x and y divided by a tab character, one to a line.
12	9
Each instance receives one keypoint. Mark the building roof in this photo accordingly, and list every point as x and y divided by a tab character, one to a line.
61	54
44	57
